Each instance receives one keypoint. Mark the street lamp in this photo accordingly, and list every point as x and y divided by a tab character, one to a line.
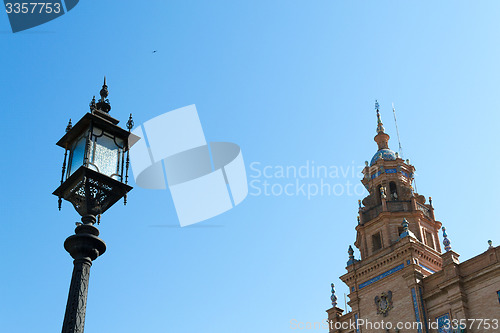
94	177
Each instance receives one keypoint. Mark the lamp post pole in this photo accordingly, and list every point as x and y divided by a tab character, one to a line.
94	180
84	246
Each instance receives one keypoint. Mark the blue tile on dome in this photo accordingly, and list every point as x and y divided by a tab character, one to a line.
385	154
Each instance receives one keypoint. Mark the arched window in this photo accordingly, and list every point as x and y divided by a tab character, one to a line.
393	191
429	241
376	242
379	195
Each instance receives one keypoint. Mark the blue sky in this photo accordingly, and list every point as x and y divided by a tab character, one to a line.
290	82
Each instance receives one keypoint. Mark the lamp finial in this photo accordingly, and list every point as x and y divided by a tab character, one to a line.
92	104
69	126
103	104
130	123
104	90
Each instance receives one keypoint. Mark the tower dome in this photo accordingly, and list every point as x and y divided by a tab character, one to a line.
385	154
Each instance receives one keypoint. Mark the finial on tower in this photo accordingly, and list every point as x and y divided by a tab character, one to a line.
333	297
406	231
405	225
350	251
446	241
490	244
380	126
381	138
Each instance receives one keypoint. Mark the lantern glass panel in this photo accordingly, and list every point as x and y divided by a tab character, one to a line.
77	155
105	154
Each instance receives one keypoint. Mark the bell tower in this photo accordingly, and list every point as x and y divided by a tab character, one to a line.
397	237
388	179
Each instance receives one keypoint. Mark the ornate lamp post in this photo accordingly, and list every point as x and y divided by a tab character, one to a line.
94	177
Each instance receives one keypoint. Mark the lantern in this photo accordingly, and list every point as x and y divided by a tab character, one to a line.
96	160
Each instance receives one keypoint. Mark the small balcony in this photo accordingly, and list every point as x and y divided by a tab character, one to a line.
395	206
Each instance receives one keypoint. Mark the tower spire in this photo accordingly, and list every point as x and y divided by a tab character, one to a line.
380	126
381	138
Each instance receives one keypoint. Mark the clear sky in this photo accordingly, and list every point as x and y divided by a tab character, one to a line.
291	82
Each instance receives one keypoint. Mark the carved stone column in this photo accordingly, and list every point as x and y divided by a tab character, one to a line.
84	247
